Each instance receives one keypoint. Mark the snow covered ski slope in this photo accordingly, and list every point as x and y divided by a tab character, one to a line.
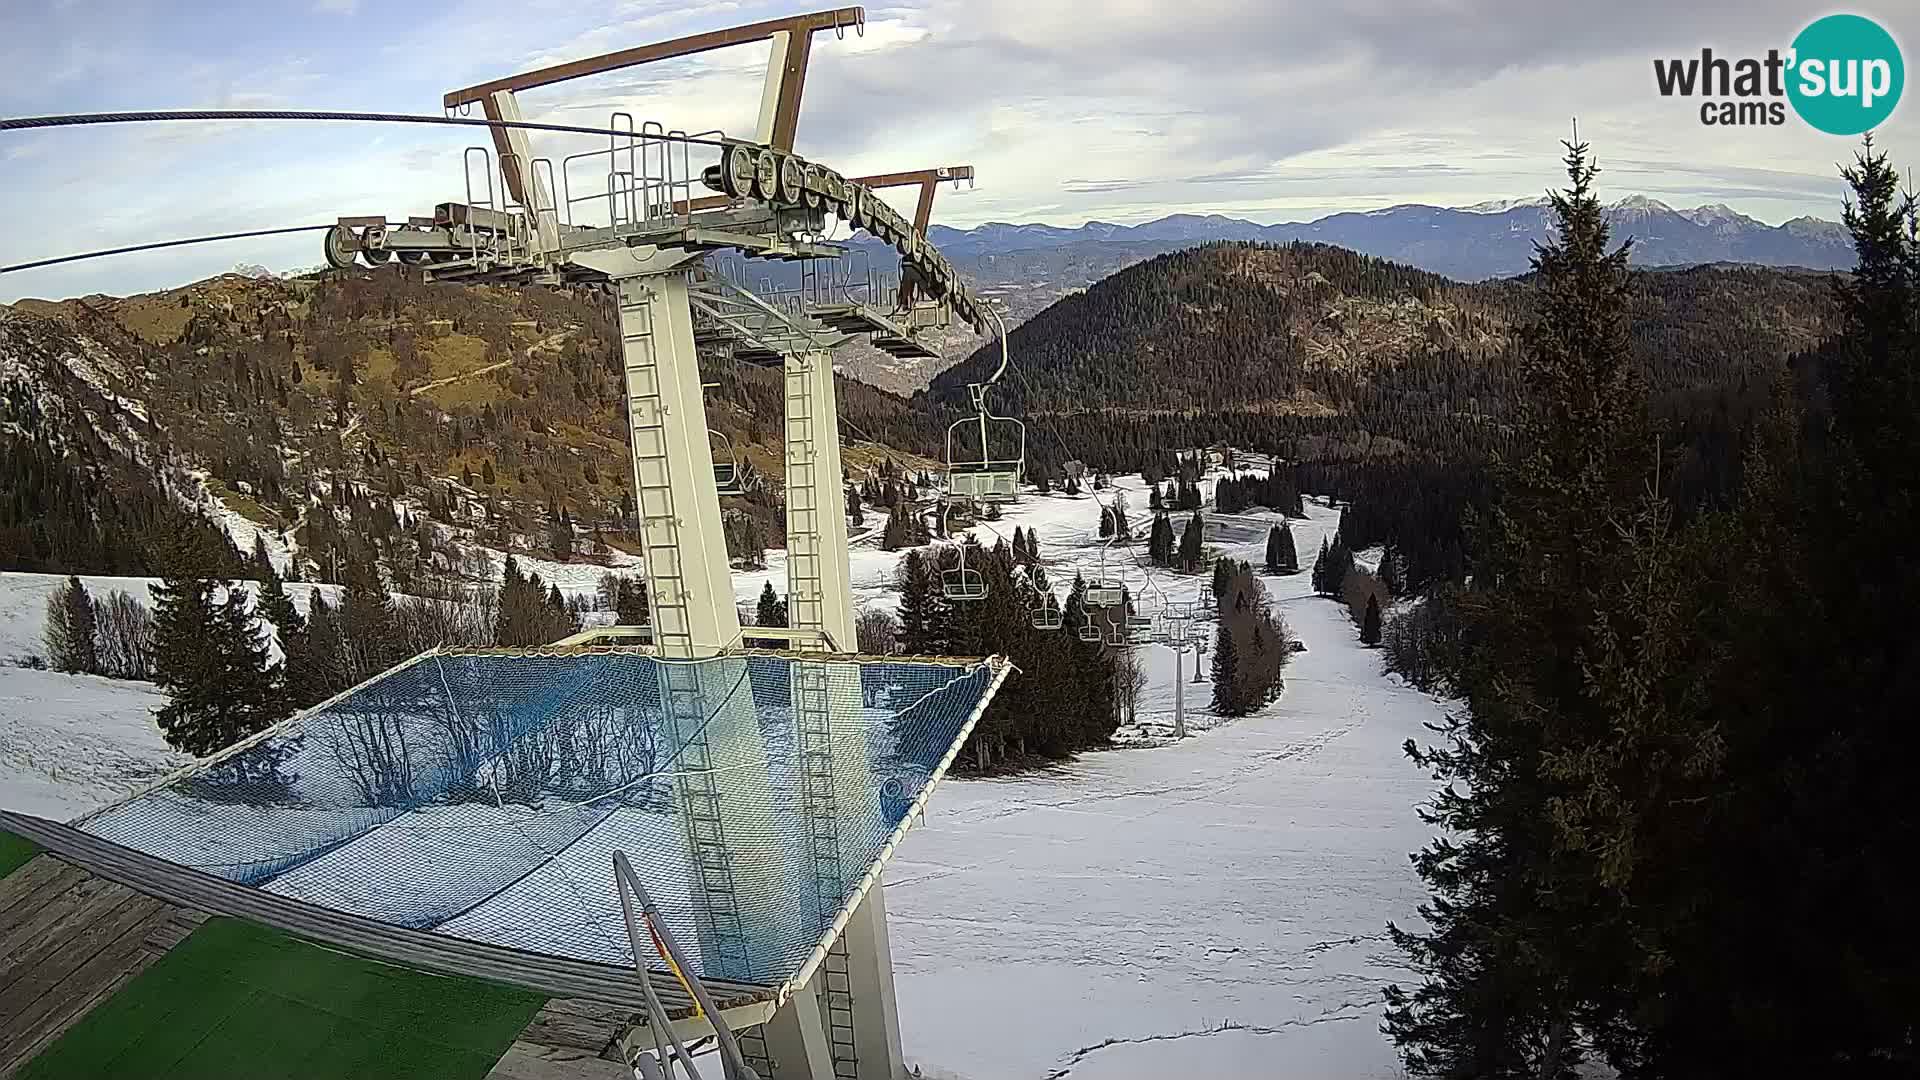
1213	909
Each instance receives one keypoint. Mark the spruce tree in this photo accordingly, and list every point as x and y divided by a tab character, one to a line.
262	564
772	610
1226	673
1160	541
519	622
1524	935
630	604
211	658
1222	576
317	663
367	625
71	634
278	608
916	585
1370	622
1192	544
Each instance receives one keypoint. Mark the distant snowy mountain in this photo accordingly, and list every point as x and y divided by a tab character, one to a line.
1501	206
1472	243
1030	266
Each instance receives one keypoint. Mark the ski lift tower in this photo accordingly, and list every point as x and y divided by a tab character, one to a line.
645	235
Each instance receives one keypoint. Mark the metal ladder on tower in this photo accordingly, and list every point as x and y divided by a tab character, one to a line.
659	518
803	498
814	725
685	706
813	706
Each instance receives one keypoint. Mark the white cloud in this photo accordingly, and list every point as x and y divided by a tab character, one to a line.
1121	110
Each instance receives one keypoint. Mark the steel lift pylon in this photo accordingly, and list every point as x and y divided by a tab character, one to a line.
843	1023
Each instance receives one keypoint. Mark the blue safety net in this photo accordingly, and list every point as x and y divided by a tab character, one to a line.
482	795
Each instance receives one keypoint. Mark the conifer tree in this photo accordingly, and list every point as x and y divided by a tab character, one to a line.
1192	544
772	610
367	627
1524	934
1160	541
278	608
71	633
630	604
317	664
917	584
1226	673
898	532
1370	622
211	658
262	564
521	599
1222	575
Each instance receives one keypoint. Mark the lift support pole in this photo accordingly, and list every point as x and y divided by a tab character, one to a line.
851	996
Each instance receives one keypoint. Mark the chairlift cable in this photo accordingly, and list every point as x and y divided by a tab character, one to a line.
31	123
157	244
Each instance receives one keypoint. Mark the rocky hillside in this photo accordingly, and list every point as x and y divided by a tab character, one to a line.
327	409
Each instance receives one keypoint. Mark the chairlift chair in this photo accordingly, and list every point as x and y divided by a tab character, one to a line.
986	478
963	584
1088	632
1045	613
726	466
959	582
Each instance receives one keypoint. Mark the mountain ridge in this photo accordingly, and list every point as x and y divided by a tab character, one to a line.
1664	235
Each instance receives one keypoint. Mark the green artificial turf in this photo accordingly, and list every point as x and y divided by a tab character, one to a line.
239	1000
15	852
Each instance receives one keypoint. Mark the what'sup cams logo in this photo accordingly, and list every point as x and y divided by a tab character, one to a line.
1843	75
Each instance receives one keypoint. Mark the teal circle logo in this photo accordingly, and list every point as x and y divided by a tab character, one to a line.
1845	75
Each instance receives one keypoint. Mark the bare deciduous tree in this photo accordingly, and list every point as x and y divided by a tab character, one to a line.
1130	680
125	629
876	631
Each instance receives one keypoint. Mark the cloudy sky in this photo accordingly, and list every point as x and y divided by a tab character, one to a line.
1122	111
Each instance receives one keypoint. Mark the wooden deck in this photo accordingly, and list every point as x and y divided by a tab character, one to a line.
568	1040
68	941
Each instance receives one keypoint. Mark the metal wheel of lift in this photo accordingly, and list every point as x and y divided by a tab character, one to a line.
856	203
813	187
793	178
766	175
413	258
737	171
372	245
340	246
